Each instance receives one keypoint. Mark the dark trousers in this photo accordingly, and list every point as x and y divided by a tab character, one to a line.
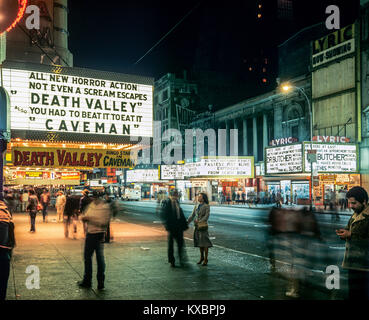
44	211
178	237
358	285
4	272
94	242
32	216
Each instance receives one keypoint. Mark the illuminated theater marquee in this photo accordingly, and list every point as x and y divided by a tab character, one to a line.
63	103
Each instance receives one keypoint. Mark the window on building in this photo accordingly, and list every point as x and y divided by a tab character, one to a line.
295	131
165	95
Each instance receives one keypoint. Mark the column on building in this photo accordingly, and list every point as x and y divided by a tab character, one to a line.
278	118
255	138
234	139
222	141
265	132
244	137
227	137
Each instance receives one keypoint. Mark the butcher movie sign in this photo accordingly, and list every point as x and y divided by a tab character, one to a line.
63	103
285	159
334	158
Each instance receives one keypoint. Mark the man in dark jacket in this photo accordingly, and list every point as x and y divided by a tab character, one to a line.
5	249
175	223
356	234
71	210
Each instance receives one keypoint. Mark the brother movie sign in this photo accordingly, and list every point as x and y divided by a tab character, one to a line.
64	103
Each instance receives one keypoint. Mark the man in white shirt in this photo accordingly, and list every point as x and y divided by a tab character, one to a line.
60	205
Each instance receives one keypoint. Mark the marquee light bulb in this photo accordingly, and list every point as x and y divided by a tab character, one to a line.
11	12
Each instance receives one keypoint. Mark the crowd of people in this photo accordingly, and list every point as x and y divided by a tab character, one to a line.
292	236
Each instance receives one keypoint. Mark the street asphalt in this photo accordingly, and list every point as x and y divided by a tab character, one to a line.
47	266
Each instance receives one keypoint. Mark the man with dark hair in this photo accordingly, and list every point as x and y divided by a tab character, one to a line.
356	234
175	223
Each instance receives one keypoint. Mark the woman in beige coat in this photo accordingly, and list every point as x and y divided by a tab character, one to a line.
201	239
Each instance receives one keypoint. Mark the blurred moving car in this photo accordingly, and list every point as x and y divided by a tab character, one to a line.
131	194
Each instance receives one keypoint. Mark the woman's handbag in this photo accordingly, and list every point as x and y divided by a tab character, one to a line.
39	207
202	226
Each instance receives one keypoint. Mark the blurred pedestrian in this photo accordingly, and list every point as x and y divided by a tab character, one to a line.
243	197
45	201
85	200
342	199
7	243
10	201
233	197
60	205
114	211
200	215
25	196
70	215
96	217
32	209
175	223
356	235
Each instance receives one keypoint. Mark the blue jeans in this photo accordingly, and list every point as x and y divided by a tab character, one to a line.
94	242
4	272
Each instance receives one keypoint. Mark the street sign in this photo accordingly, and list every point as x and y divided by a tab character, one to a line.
311	155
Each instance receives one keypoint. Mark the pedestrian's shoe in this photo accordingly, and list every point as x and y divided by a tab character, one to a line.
100	286
84	284
205	263
201	260
173	265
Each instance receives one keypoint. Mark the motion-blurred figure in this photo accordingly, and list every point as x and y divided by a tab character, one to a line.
291	234
114	211
356	235
96	217
45	201
70	215
175	223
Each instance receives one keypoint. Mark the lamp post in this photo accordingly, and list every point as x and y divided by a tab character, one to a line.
286	88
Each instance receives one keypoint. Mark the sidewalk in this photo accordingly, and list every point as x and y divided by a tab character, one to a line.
137	268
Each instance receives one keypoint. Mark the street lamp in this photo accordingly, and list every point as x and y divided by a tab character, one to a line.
287	87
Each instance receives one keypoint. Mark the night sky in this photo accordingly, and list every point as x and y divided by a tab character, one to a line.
225	37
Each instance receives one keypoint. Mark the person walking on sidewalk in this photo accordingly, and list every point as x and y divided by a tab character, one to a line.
45	201
6	246
175	223
356	235
96	217
114	211
25	196
32	209
60	205
201	238
70	214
